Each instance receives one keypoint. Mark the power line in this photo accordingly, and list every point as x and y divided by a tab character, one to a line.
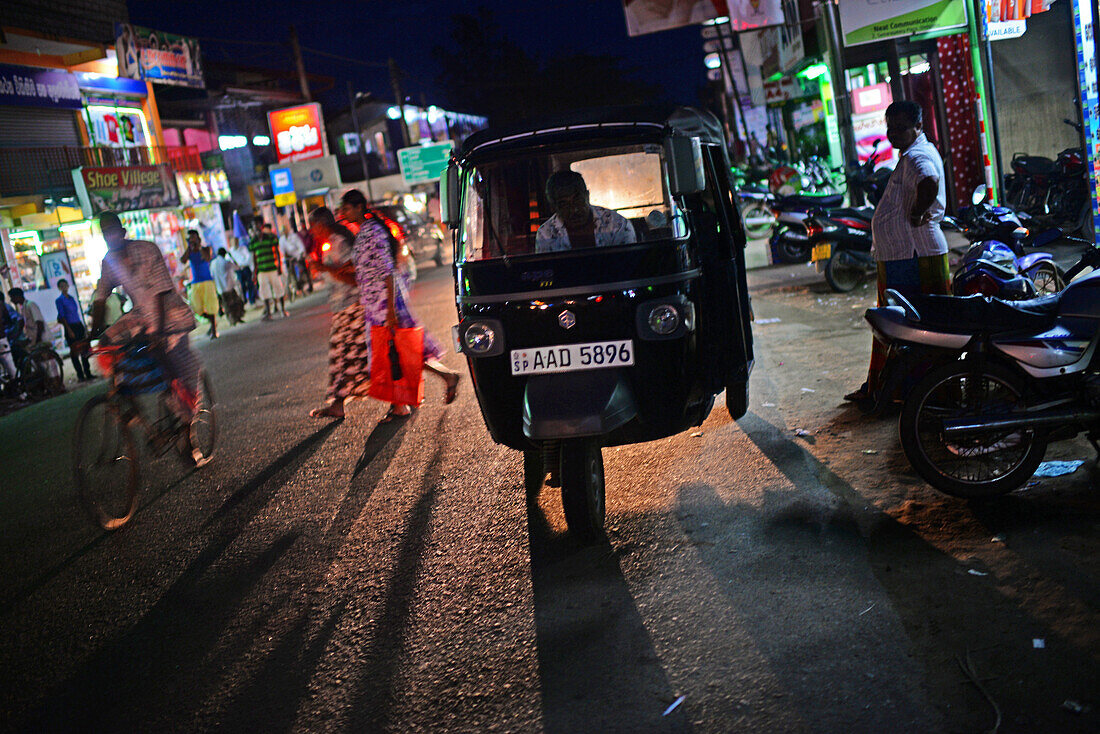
345	58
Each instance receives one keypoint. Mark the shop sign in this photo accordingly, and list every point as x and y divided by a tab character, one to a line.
111	85
298	132
118	127
282	186
157	56
424	163
866	21
124	189
202	187
786	89
30	86
1004	30
648	17
315	176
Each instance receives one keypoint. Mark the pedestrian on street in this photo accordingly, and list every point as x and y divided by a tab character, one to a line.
76	334
906	239
265	253
224	271
204	294
384	290
242	258
9	330
290	247
34	326
348	353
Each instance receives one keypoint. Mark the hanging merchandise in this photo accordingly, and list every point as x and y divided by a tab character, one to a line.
960	96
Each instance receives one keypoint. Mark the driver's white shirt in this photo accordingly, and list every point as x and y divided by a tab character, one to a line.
611	228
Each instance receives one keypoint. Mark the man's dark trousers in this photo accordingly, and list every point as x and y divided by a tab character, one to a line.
79	354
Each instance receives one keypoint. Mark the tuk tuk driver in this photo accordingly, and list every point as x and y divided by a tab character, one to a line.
576	223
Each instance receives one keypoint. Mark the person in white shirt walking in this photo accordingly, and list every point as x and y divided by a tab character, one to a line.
224	271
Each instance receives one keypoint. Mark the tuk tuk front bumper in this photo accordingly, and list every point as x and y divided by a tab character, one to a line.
576	404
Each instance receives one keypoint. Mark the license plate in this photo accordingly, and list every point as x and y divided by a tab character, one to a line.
822	251
572	357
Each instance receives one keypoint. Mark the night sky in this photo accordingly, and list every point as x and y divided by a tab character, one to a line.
408	30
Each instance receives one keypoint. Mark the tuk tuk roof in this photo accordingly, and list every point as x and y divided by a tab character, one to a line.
606	124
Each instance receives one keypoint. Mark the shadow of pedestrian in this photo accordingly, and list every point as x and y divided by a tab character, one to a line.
593	646
374	694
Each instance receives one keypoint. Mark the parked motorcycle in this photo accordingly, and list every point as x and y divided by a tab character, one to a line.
1055	191
841	242
1006	379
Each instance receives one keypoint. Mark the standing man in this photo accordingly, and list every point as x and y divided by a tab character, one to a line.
34	326
224	271
204	295
293	252
76	335
265	253
906	238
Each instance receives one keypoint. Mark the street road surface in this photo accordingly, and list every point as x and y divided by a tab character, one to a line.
787	572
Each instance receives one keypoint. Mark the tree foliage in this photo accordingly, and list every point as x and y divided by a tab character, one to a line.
484	72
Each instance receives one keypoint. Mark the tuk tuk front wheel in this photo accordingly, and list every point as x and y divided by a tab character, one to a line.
533	472
582	488
737	399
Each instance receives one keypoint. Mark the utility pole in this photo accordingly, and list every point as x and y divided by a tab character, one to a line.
353	100
297	51
727	67
395	80
840	90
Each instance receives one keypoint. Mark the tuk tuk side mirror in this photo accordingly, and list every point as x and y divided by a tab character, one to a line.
685	165
450	199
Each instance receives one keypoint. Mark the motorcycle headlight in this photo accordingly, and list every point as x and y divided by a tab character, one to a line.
664	319
479	338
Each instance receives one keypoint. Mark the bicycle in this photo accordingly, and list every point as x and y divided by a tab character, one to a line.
106	464
40	373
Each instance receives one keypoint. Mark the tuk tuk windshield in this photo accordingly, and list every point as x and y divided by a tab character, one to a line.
570	200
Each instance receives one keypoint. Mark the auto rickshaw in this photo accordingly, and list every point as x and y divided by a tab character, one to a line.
574	348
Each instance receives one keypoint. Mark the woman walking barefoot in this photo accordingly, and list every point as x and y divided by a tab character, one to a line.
348	355
384	291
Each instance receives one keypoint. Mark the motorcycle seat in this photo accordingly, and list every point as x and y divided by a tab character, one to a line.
1034	165
863	212
985	315
807	200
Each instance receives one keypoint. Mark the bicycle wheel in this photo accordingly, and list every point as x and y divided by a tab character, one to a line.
105	464
204	426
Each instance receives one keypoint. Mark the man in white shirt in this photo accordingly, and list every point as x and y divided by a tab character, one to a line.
290	244
34	326
576	223
906	239
224	272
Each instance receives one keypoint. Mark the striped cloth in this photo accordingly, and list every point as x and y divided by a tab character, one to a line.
266	251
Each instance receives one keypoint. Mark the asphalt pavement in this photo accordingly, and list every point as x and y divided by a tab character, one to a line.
786	572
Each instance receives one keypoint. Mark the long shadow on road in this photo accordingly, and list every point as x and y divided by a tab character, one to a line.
593	646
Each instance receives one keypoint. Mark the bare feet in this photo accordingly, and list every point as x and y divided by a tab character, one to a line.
329	411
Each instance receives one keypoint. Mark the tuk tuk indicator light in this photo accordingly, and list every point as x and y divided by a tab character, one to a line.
664	319
479	338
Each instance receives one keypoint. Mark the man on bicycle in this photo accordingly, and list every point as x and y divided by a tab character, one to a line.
138	268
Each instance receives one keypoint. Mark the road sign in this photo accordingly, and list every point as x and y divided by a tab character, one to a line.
282	186
424	163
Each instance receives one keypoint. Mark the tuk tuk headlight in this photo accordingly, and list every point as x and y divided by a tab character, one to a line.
479	338
664	319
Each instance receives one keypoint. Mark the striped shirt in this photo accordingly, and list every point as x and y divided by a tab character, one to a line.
892	236
266	251
140	270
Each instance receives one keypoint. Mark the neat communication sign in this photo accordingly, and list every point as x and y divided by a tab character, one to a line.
157	56
865	21
125	189
282	186
29	86
298	132
424	163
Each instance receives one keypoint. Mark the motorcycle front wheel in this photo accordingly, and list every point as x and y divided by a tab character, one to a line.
844	271
982	463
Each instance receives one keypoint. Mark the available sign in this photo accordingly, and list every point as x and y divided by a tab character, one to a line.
865	21
424	163
29	86
157	56
125	189
298	132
